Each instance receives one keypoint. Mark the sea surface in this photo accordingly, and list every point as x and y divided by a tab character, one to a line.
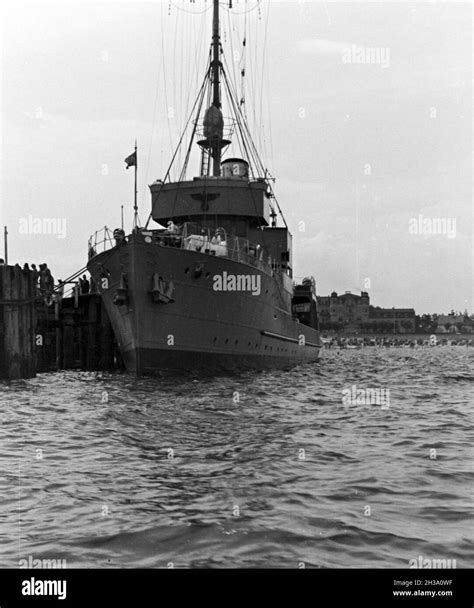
268	469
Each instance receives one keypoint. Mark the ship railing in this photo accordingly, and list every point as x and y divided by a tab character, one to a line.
100	241
230	125
219	243
194	237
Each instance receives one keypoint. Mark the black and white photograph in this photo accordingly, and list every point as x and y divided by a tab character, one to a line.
236	292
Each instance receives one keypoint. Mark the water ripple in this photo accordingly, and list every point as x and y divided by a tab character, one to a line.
264	469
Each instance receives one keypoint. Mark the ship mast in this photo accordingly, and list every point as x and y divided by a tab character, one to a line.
210	130
214	142
216	64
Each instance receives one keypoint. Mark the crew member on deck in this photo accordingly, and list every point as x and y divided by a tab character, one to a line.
84	283
172	237
217	238
35	274
119	236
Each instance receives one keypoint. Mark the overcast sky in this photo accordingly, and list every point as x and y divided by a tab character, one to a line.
358	149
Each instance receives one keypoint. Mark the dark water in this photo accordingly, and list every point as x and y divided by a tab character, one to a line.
281	474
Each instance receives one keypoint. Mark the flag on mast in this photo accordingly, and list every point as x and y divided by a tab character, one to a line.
131	160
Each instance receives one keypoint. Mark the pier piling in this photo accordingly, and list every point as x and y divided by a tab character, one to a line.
77	334
17	323
43	334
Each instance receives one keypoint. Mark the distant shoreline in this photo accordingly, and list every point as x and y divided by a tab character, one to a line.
391	336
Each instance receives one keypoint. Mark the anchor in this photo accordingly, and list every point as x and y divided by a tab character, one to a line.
162	290
121	293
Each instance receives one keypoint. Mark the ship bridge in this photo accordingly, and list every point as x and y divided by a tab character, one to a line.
206	197
231	202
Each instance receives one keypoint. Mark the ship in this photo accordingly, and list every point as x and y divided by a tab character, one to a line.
209	286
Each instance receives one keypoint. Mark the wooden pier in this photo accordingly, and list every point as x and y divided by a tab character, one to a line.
75	333
17	323
39	334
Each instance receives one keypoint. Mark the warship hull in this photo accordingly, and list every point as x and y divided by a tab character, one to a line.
168	311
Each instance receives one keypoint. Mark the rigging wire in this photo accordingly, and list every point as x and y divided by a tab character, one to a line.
232	29
249	146
243	64
164	85
190	12
264	56
153	126
203	88
191	139
200	96
175	77
245	11
243	135
197	57
267	97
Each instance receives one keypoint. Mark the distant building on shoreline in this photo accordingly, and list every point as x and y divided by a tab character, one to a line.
455	324
351	313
